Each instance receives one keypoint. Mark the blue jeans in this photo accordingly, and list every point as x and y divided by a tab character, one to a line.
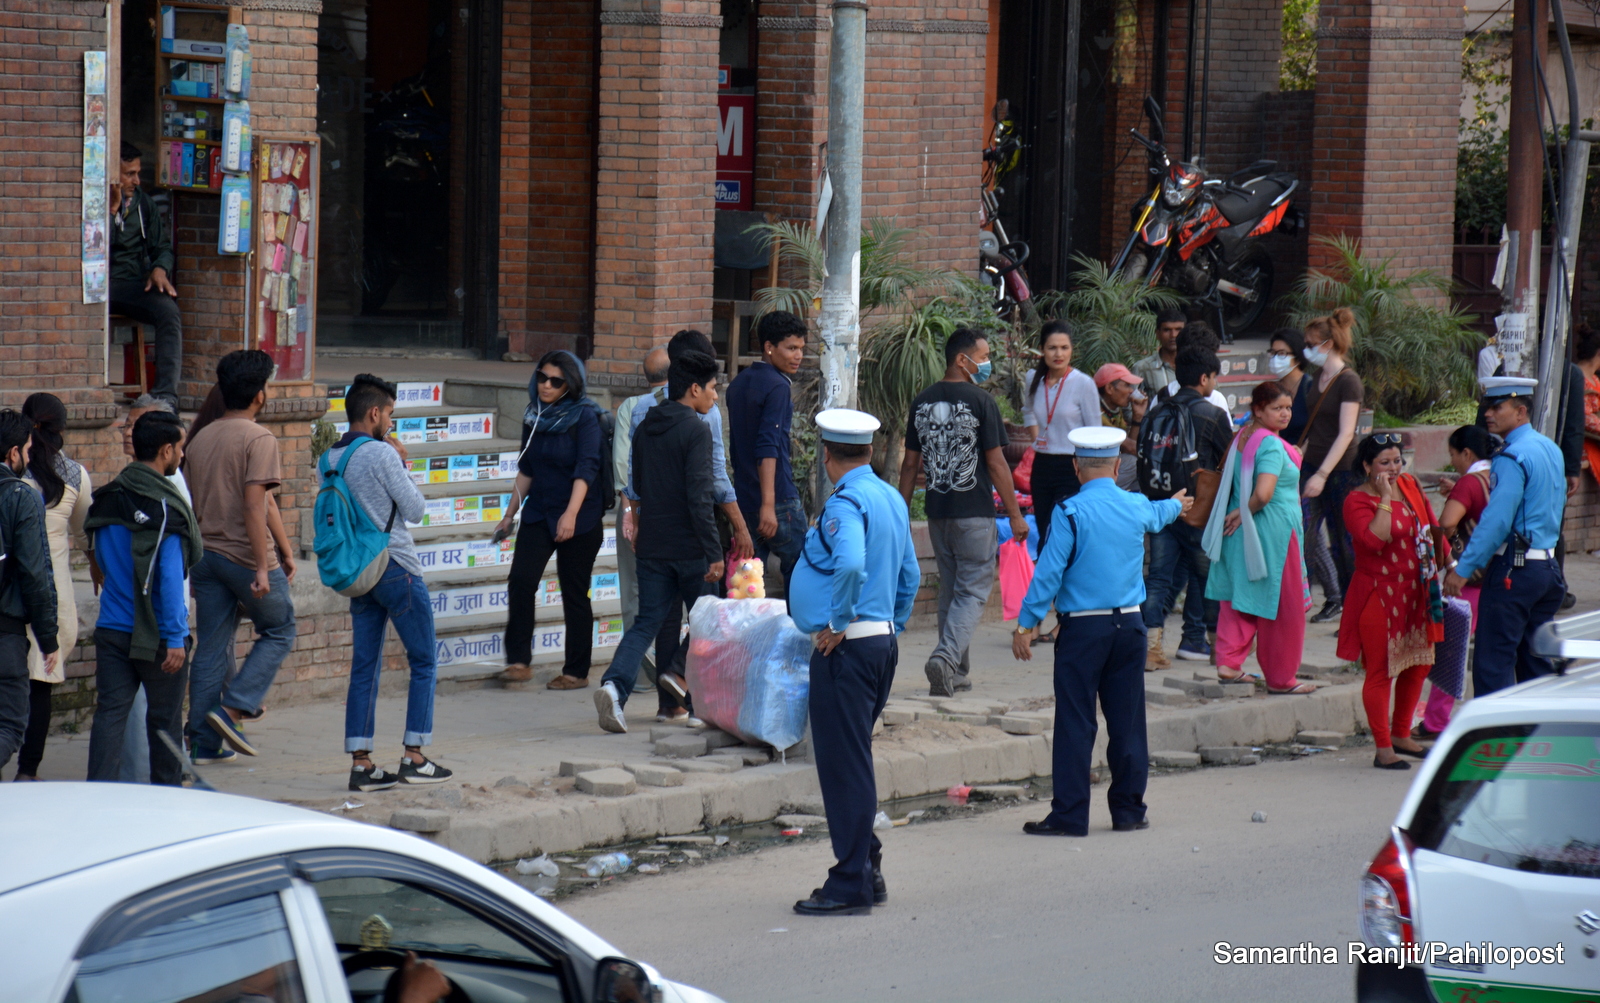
662	585
1177	560
399	596
791	536
220	588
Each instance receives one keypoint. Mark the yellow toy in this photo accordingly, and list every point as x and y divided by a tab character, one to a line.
748	580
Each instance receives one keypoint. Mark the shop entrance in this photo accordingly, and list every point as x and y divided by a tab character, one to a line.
393	267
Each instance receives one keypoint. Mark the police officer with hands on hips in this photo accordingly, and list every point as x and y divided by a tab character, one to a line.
1090	569
1514	541
852	590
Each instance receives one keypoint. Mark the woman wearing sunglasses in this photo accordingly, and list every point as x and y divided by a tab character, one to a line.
1393	612
561	514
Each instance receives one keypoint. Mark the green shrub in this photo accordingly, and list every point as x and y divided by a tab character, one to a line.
1113	318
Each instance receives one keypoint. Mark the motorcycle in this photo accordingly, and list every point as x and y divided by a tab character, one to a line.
1196	234
1000	259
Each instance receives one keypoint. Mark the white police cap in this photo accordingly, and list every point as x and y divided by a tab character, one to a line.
848	426
1092	441
1500	387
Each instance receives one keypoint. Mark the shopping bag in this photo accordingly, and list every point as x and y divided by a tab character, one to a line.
749	669
1449	672
1016	574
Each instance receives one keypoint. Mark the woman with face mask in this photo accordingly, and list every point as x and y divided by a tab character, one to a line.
1328	442
1059	399
1285	363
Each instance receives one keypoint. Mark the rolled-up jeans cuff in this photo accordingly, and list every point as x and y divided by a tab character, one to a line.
358	744
419	738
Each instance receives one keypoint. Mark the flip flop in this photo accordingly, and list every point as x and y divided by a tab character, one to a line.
1299	689
1242	677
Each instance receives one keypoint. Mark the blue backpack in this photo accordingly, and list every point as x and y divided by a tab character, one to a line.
352	553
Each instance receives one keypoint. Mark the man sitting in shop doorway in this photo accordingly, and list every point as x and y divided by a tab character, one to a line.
141	266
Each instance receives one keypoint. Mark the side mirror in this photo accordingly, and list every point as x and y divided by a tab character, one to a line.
1002	111
1152	111
618	980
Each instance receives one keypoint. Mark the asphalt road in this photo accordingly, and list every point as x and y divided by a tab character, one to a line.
979	911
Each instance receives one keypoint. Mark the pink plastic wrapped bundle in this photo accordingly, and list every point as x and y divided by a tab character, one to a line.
748	669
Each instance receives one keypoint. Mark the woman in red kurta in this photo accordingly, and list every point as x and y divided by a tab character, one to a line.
1388	621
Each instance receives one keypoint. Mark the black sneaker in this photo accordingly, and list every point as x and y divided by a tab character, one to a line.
426	772
941	681
1330	611
213	757
371	778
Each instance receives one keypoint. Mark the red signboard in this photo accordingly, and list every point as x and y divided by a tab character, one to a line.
736	150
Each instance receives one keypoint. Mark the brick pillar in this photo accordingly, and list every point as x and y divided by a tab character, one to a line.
1388	97
954	126
891	152
791	107
653	193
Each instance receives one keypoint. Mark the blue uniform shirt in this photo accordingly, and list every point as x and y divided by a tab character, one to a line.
1108	572
858	562
721	487
1527	495
113	550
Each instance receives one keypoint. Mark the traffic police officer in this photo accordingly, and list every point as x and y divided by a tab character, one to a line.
852	590
1090	569
1514	542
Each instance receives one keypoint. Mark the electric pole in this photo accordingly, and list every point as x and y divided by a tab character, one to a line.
1524	187
839	323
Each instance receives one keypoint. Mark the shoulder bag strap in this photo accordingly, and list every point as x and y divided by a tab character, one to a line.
1305	433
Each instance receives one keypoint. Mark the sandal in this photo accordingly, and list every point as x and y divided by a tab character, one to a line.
1239	677
566	682
1413	753
517	673
1299	689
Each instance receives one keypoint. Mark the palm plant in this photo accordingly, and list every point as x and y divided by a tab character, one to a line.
1113	318
889	273
1411	354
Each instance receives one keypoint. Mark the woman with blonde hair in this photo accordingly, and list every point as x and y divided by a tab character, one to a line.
1328	445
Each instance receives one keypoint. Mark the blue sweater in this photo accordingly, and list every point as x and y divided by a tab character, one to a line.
113	550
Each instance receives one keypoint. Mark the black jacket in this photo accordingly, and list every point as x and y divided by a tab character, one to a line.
27	583
1213	429
141	242
672	476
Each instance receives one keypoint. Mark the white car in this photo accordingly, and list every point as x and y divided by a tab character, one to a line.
113	893
1489	886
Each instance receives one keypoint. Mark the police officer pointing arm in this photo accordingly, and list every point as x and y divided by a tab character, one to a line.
852	590
1090	570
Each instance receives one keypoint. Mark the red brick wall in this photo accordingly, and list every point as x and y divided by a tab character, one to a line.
1388	97
46	330
954	121
658	120
546	176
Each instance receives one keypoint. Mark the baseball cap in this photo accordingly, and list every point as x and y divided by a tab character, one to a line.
1115	371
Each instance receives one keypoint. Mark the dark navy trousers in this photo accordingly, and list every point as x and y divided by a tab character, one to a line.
1099	656
848	691
1507	618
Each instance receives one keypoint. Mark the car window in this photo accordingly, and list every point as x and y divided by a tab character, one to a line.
484	961
240	951
1525	797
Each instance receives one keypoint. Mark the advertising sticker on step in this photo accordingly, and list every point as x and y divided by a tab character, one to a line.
608	543
604	586
608	633
419	395
470	426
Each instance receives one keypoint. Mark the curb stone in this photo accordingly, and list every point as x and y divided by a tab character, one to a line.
760	793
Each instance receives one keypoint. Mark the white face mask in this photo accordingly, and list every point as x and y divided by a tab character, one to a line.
1277	365
1315	356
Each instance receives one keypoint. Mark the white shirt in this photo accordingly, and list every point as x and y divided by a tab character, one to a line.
1056	410
1215	398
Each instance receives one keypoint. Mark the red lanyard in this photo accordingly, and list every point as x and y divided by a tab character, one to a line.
1050	405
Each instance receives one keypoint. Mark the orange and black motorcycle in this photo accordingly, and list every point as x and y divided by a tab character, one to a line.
1196	234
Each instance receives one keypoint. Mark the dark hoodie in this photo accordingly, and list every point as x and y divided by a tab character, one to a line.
672	476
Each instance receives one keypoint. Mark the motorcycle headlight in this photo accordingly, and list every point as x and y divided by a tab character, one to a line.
1175	195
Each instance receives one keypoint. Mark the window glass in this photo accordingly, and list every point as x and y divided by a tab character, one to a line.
236	952
1525	797
376	913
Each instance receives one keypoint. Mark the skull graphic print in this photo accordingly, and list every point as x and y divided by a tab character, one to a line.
948	432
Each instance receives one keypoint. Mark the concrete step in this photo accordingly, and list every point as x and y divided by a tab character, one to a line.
450	621
461	489
463	446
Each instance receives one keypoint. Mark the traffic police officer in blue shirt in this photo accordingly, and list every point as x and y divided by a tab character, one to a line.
1090	569
1514	542
852	590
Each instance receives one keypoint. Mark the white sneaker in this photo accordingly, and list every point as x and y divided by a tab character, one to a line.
695	722
609	704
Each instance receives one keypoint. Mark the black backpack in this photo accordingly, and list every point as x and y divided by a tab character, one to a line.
606	483
1167	455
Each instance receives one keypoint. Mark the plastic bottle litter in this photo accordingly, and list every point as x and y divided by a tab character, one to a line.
608	863
796	832
541	864
882	821
959	792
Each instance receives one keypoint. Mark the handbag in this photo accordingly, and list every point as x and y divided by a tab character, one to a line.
1464	530
1205	483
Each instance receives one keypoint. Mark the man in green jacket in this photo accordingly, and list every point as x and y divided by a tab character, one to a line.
141	270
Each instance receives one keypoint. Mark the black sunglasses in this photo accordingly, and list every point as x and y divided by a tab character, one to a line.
1387	438
555	381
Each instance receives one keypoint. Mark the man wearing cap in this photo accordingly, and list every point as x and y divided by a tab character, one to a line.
1122	405
852	590
1514	540
1090	570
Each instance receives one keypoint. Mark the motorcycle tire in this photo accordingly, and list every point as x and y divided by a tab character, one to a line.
1255	271
1135	266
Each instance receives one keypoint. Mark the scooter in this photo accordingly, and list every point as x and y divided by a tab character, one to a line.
1197	234
1000	259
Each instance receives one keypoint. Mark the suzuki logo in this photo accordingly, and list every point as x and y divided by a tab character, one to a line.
1588	922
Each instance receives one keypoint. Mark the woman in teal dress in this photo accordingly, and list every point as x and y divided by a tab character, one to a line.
1253	539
